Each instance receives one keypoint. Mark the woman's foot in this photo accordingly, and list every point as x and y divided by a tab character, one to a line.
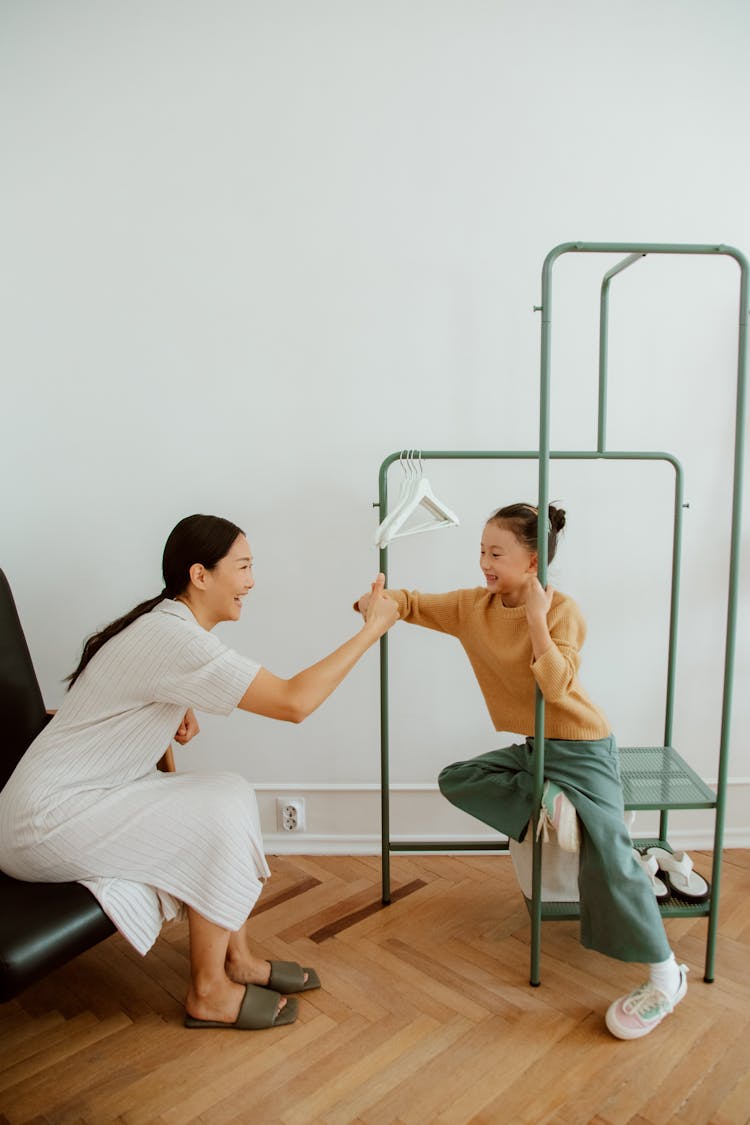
221	1003
243	968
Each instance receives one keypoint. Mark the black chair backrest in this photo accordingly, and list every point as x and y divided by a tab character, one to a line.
22	712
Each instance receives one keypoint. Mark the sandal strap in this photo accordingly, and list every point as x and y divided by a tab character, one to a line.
684	865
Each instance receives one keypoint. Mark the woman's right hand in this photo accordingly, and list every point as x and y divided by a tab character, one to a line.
377	608
296	698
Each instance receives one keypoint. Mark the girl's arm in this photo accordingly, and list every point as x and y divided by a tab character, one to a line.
433	611
294	699
537	603
556	651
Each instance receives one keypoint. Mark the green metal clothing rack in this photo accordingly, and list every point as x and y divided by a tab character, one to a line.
654	777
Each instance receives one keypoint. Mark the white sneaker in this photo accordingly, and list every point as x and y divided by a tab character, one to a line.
639	1012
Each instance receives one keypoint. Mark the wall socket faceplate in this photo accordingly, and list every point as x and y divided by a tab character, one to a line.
290	814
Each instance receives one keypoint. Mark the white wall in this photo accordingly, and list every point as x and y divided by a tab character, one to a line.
250	249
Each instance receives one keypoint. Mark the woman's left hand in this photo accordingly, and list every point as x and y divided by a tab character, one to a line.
188	728
536	599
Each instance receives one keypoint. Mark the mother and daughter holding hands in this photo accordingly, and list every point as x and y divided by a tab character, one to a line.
87	802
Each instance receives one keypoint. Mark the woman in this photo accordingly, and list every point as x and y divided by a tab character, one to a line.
87	803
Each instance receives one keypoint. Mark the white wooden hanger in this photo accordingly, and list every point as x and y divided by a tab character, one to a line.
415	493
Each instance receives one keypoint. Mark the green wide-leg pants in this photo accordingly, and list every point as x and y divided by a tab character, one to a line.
619	914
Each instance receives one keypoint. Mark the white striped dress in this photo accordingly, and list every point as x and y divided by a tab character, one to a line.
87	804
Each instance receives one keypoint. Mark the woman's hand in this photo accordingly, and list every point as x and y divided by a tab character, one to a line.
188	728
378	609
296	698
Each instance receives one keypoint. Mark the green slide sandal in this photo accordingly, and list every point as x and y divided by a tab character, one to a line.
288	976
259	1009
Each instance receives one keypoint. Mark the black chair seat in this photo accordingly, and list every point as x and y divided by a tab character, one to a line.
43	925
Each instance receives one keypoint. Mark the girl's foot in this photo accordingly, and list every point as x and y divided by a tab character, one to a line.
638	1013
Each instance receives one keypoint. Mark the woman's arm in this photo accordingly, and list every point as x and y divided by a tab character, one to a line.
187	729
294	699
166	762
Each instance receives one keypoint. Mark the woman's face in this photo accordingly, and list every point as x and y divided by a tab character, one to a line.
505	562
228	583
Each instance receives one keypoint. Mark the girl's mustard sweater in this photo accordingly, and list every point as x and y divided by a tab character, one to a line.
497	643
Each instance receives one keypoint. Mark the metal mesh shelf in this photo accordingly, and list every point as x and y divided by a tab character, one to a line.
670	907
656	777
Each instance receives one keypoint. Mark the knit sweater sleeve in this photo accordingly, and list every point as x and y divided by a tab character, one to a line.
433	611
556	671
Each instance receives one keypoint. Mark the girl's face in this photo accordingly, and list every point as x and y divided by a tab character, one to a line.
506	564
227	584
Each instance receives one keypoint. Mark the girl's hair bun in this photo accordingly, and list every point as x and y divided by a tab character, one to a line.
556	518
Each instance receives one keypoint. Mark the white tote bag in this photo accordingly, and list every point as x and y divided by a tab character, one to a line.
559	869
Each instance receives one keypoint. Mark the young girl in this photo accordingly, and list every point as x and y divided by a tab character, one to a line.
86	802
518	635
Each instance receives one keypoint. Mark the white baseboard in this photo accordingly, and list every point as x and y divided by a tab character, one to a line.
344	819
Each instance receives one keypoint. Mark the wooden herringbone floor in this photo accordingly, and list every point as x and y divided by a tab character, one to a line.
425	1017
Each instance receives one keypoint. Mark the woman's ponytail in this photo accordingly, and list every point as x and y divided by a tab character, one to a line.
95	642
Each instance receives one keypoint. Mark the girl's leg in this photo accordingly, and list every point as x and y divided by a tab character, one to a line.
619	914
212	995
496	788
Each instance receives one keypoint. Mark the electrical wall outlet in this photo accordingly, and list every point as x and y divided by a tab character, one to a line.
290	814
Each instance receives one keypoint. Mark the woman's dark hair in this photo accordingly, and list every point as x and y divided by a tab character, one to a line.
521	519
196	539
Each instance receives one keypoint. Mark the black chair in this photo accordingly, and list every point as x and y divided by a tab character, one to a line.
42	925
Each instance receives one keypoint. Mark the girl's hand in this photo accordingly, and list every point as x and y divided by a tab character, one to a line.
537	603
379	610
364	601
536	599
188	728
